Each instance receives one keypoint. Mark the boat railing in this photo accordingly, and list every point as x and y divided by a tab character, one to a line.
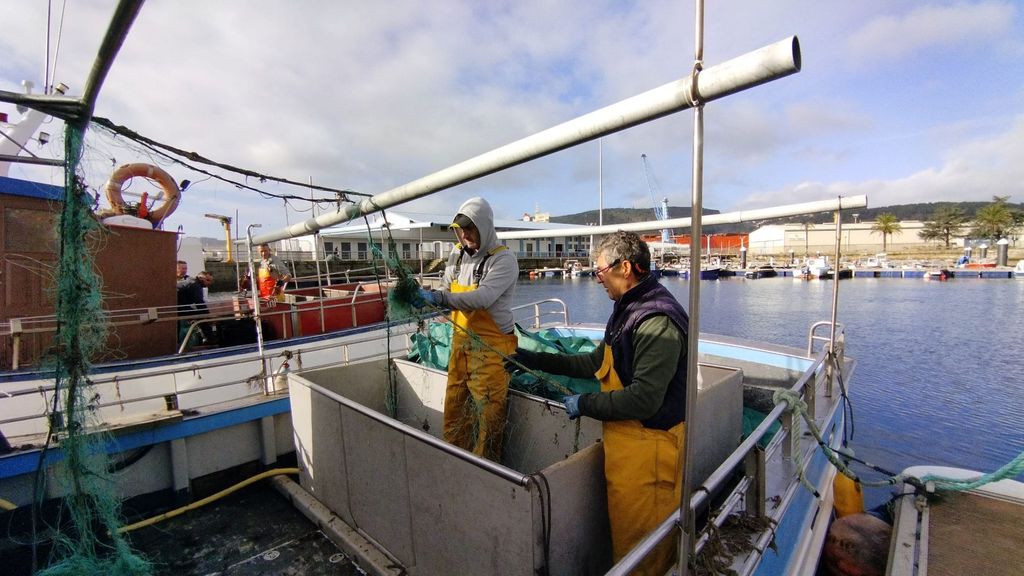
750	494
813	336
350	275
164	385
217	310
560	313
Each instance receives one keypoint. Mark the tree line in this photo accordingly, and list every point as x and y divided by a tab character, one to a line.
943	221
992	221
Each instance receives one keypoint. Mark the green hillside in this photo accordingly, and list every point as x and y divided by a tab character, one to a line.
921	211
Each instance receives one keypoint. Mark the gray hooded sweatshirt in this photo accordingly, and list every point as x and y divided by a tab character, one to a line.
497	284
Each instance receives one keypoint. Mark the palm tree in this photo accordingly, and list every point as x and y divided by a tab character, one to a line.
887	224
807	228
946	223
994	220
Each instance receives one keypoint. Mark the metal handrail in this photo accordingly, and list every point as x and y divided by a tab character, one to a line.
537	314
16	327
147	374
724	471
811	337
344	360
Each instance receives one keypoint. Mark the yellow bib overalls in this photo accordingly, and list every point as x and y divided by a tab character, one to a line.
477	394
644	481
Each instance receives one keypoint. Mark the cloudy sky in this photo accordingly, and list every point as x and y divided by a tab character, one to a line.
904	101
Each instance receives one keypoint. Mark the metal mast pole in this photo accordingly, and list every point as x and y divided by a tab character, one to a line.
686	521
600	182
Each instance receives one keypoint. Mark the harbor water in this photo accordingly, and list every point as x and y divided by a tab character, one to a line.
940	373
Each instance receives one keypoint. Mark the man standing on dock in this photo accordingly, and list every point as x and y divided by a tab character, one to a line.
478	285
642	402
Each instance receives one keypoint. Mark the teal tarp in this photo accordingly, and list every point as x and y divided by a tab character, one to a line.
433	347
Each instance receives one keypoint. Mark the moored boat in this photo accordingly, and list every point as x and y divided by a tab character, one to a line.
974	530
766	271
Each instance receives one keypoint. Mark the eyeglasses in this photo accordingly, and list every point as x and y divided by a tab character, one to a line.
599	273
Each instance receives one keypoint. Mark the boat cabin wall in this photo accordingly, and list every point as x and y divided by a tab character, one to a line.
135	269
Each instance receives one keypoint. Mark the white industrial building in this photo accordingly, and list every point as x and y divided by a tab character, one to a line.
859	238
427	236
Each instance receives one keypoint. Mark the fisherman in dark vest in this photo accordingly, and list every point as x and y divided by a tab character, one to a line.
642	402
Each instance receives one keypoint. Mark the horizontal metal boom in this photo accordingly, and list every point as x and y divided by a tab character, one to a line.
752	69
708	219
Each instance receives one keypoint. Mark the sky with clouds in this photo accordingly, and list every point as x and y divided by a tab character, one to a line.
904	101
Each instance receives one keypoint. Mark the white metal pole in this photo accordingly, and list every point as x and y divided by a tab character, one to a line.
686	456
254	286
754	68
600	183
726	218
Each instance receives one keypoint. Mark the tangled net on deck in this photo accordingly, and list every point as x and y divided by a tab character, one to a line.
90	542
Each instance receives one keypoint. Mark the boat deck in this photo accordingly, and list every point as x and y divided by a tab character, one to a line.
975	534
253	531
954	533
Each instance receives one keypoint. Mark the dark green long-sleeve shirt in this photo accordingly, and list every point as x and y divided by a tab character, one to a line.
657	345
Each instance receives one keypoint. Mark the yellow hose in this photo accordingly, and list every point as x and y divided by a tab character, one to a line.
7	506
207	500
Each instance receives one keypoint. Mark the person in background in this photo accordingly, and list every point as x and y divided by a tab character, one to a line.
271	276
182	270
192	302
478	284
642	403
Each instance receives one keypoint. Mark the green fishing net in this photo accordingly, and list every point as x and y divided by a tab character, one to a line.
432	346
89	542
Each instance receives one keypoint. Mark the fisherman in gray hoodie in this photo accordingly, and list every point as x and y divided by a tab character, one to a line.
478	285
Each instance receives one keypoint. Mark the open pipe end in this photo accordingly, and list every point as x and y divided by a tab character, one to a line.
795	48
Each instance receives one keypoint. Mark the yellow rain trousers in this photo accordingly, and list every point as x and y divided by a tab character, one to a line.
475	403
641	469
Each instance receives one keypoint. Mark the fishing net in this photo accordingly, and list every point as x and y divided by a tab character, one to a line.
480	419
89	542
432	347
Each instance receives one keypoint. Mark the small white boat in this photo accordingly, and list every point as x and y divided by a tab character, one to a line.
1018	271
975	531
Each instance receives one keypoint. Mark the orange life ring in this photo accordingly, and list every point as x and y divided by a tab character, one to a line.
125	172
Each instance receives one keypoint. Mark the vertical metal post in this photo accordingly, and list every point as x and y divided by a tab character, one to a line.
600	183
317	245
686	535
831	364
256	316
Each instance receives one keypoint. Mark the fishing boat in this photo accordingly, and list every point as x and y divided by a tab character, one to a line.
541	509
362	419
941	274
765	271
150	389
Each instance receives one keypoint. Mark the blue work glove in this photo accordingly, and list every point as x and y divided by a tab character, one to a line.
425	297
572	406
520	359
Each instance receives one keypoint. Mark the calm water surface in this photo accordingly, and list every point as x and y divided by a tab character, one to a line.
940	373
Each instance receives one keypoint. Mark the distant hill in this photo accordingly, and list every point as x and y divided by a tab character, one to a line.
922	211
